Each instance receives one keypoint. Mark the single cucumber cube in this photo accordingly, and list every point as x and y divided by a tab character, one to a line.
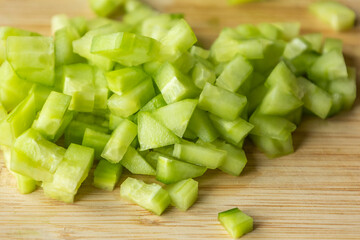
24	184
65	122
106	175
6	32
52	114
125	79
18	121
130	102
199	154
155	103
41	93
119	141
328	67
236	222
302	63
337	15
235	160
296	47
332	44
101	89
279	102
71	172
138	14
314	41
272	147
176	116
41	151
289	30
114	121
105	7
174	85
269	31
74	133
152	197
271	126
248	31
152	134
32	58
200	52
235	74
93	118
63	46
221	102
12	88
169	170
158	25
202	74
96	140
79	83
232	131
295	116
183	194
184	63
201	125
136	164
315	99
60	21
126	48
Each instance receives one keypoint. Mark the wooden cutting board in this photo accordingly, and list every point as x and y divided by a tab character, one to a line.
311	194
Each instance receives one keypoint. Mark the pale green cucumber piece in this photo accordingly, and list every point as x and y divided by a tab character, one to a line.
328	67
125	79
235	160
41	93
236	222
295	47
32	58
18	121
101	89
185	62
289	30
300	64
126	48
176	116
315	99
152	197
314	40
183	194
92	118
138	14
24	184
332	44
136	164
119	141
271	126
60	21
12	88
79	83
68	117
180	37
152	158
202	74
278	102
100	22
173	84
152	134
106	175
295	116
130	102
71	172
269	31
337	15
52	114
63	46
158	25
74	133
2	51
201	125
272	147
189	135
155	103
169	170
221	102
6	32
167	150
235	74
114	121
96	140
41	151
105	7
3	112
200	52
199	155
248	31
282	77
232	131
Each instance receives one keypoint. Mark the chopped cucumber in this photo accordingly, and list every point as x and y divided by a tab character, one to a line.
236	222
201	125
105	7
106	175
183	194
135	163
96	140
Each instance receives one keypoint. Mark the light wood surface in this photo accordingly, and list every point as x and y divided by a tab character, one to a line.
312	194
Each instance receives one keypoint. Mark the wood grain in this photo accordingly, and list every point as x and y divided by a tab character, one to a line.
312	194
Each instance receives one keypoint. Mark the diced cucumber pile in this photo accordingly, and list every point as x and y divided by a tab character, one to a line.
139	95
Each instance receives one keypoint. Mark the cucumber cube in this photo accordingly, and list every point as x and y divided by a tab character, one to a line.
52	114
176	116
79	83
200	52
152	197
314	41
184	63
201	125
24	184
126	48
32	58
64	53
74	133
72	171
221	102
135	163
101	89
296	47
183	194
169	170
236	222
106	175
152	134
155	103
272	147
289	30
119	141
235	74
105	7
199	154
202	74
96	140
332	44
174	85
41	93
130	102
339	16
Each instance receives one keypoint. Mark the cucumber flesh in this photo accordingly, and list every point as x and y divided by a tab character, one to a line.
236	222
135	163
183	194
106	175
